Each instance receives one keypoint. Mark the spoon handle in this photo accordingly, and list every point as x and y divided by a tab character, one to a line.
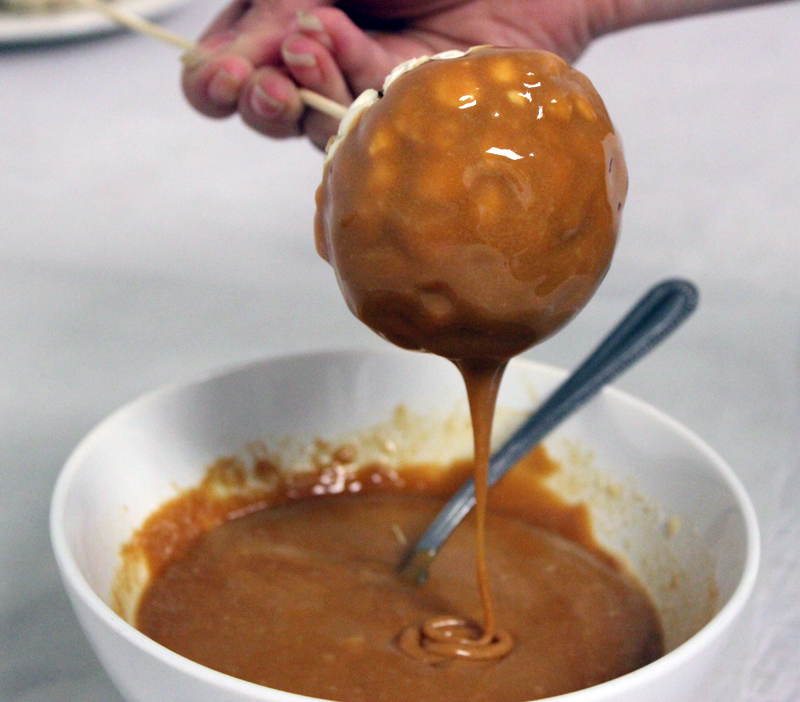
650	321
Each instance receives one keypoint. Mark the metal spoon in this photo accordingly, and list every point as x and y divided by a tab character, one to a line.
650	321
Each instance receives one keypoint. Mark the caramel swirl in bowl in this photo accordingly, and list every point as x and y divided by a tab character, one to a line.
444	637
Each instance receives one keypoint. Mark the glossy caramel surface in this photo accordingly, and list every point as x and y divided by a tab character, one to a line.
303	595
473	210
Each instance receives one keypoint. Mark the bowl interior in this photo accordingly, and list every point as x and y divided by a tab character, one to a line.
659	497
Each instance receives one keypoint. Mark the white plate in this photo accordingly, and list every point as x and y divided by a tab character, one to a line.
40	27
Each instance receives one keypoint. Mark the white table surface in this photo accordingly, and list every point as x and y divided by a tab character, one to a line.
141	244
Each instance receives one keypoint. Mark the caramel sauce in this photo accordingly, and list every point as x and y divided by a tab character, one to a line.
290	586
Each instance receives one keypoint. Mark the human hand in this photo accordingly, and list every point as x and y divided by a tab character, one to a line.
257	53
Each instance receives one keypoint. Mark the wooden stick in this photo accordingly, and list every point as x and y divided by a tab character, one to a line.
138	24
322	104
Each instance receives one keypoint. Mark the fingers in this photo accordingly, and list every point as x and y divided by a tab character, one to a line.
213	85
254	57
310	64
269	100
364	59
270	104
332	56
245	37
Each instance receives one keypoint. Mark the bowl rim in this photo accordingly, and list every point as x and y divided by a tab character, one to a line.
77	585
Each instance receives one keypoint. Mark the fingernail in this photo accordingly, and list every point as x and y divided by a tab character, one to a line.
224	88
264	105
312	25
291	58
308	22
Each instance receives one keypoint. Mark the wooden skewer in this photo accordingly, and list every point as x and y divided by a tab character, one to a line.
322	104
138	24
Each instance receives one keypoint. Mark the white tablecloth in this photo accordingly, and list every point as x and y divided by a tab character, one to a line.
141	244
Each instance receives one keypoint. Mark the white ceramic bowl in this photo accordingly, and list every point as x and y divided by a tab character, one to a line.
658	495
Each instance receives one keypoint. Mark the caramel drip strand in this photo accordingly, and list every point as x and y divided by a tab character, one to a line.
444	637
482	380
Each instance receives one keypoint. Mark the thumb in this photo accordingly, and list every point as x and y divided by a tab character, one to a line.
365	59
